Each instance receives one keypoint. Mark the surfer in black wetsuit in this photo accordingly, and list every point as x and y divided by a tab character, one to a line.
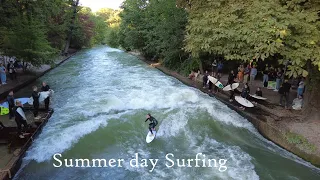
35	96
153	123
20	118
259	92
10	100
245	91
45	87
231	80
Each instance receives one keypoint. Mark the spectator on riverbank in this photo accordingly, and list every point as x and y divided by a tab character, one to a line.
265	76
12	71
231	80
278	79
35	96
3	74
301	88
240	73
246	74
284	92
10	100
216	89
205	79
253	74
20	118
46	88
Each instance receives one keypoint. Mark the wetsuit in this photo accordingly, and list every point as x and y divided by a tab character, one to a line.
10	100
20	120
205	79
35	96
153	123
231	81
47	100
245	93
259	93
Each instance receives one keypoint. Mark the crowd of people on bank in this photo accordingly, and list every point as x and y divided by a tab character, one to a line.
16	109
10	69
247	75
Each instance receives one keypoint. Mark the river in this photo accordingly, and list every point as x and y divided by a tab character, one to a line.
102	96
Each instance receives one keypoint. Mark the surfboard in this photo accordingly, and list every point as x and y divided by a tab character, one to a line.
4	111
51	92
150	138
42	97
19	110
22	100
231	87
257	97
243	101
215	82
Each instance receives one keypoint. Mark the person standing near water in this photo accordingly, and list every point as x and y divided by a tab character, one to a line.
10	100
153	123
231	80
35	96
12	71
205	79
3	74
45	88
20	118
278	79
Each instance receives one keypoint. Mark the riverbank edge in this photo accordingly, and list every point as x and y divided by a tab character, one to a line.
37	76
273	133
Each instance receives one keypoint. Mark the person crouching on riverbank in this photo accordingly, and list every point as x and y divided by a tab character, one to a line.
35	96
46	88
20	118
10	100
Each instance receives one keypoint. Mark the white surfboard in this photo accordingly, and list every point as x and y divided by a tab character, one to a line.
257	97
22	100
43	96
19	110
243	101
231	87
215	82
151	138
51	92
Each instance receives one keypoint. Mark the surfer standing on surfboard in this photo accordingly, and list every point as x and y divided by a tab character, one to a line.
153	123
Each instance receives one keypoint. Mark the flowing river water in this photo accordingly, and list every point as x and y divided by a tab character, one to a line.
101	99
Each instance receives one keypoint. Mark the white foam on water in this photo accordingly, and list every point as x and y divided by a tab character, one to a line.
61	140
109	84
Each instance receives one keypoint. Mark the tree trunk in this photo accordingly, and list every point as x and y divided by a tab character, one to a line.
311	108
66	48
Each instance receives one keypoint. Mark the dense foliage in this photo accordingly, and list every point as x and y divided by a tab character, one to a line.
156	28
274	31
35	31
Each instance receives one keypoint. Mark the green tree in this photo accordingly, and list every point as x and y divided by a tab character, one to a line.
253	29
